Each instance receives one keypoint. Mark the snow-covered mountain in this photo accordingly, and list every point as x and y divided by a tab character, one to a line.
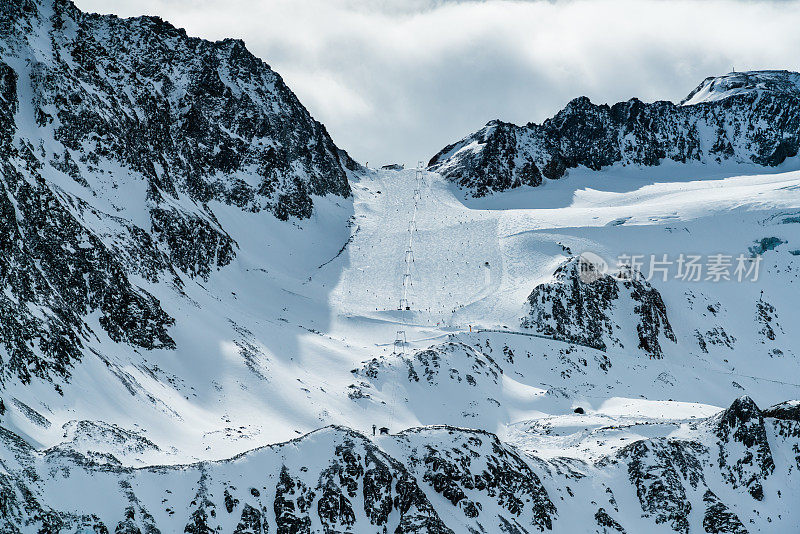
751	117
764	83
117	136
201	325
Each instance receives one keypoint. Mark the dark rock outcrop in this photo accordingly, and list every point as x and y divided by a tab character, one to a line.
353	478
719	518
583	310
670	474
607	523
786	411
471	469
744	458
658	470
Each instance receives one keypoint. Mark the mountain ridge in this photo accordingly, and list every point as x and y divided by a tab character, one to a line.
755	119
435	479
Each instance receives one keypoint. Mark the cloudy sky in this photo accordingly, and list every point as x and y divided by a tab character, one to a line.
397	80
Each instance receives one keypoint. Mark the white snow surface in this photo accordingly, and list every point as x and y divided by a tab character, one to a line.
266	348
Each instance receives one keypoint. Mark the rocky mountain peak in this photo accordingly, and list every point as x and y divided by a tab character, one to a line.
742	411
118	136
751	462
715	88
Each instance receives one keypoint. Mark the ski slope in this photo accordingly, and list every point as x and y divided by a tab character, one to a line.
454	290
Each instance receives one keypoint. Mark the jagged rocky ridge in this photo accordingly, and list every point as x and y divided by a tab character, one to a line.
751	117
432	479
599	310
117	136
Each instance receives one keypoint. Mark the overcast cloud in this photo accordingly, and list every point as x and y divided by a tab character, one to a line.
398	80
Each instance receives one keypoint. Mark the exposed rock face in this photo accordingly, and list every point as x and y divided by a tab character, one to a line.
595	313
115	135
268	490
658	471
751	117
719	518
436	479
787	411
745	457
488	482
607	523
51	263
101	442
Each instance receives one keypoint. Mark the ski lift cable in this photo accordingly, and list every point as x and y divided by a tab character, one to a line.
400	336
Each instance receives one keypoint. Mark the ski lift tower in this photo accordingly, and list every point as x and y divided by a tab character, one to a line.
400	342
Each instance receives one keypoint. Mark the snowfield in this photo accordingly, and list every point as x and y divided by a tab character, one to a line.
267	347
298	333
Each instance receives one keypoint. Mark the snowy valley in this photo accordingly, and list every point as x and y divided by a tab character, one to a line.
209	311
